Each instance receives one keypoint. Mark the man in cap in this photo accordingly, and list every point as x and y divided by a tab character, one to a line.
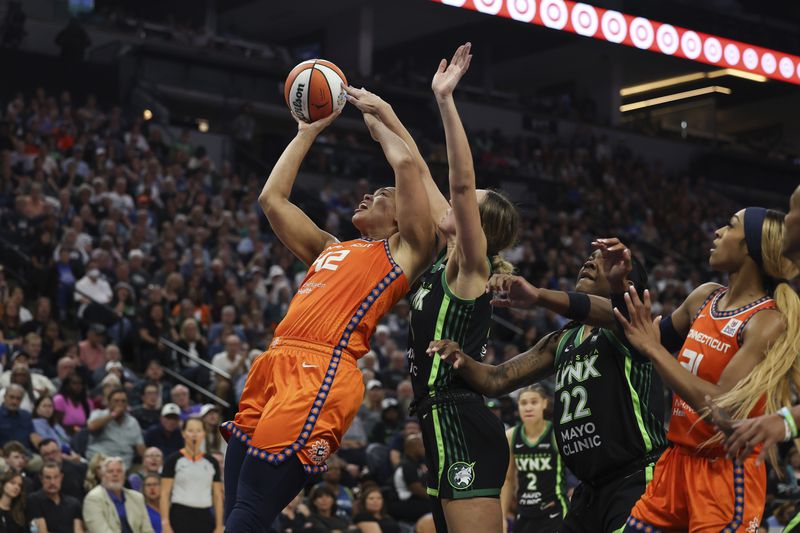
166	435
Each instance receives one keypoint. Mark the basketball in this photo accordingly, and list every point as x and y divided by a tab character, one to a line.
313	89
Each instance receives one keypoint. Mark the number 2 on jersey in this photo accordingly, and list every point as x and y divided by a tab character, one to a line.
531	481
330	260
580	409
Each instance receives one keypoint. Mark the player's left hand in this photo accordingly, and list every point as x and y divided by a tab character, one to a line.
642	330
365	101
447	76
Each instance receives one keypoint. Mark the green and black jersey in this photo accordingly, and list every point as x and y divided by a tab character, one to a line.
437	313
609	404
541	483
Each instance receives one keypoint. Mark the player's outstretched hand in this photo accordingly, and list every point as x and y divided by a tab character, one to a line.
642	330
449	351
743	436
512	291
615	262
317	126
365	101
447	76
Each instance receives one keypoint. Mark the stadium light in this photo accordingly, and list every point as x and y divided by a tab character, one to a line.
645	34
633	106
202	125
686	78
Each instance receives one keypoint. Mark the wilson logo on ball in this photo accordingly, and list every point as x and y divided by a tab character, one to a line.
313	90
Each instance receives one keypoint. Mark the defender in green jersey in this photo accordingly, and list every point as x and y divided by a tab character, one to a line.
608	405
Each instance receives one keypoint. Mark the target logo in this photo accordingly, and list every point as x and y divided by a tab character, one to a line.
750	58
614	26
642	33
712	49
769	63
585	20
490	7
667	39
732	54
786	67
455	3
554	14
691	46
522	10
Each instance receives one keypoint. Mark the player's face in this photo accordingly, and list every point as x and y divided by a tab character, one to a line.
531	406
729	250
376	211
591	279
791	235
448	223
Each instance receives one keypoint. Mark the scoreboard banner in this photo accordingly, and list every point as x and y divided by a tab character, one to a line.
642	33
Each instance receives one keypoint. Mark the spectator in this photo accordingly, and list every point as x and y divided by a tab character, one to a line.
20	375
154	373
323	510
166	435
73	41
152	463
155	326
151	489
344	496
74	471
191	341
405	395
114	363
781	516
66	365
93	472
232	361
92	350
191	486
370	411
294	517
373	510
226	326
45	422
390	424
16	424
72	404
16	457
12	503
397	370
214	442
113	432
92	289
413	502
50	509
180	396
111	507
39	383
397	443
149	411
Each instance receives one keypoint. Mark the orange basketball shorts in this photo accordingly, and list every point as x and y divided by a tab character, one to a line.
299	399
701	495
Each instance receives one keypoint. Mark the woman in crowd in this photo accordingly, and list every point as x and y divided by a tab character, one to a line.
45	422
373	512
72	403
12	503
191	486
323	510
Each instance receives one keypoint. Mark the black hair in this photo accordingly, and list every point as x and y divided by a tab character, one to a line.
638	276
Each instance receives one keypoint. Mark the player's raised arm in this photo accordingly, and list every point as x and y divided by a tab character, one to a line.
293	227
471	243
416	227
526	368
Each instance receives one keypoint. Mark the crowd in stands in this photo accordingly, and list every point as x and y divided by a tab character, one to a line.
131	259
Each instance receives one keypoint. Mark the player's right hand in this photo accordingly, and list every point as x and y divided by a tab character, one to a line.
615	262
449	351
317	126
512	291
364	100
447	76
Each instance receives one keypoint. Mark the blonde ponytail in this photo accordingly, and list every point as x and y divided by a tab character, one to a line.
501	266
774	376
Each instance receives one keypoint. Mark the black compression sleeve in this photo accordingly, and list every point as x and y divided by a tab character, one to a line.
579	306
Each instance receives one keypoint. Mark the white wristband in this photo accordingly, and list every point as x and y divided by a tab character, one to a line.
788	436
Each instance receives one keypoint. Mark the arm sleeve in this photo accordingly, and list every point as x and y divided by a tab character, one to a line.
169	466
409	472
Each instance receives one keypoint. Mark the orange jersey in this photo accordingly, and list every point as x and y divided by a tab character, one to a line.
713	340
346	291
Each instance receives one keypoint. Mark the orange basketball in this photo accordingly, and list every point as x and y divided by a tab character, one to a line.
313	89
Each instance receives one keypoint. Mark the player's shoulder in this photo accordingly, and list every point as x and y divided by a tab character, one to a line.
701	293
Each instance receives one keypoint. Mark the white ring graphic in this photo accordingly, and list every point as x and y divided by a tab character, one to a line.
712	49
750	58
584	20
490	7
732	54
614	26
641	33
667	39
691	45
786	67
769	63
554	14
522	10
